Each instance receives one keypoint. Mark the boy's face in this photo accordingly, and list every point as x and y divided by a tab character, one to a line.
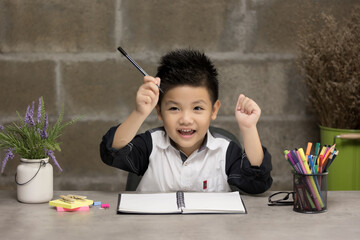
187	112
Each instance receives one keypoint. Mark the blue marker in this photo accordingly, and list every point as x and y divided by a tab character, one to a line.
312	164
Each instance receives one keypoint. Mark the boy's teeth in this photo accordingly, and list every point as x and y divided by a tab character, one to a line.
186	131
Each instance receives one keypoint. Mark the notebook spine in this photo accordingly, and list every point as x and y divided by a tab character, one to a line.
180	199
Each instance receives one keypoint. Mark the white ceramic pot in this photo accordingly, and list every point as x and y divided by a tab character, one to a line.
34	179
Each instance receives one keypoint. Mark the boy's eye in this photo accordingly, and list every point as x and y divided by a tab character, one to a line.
198	108
173	109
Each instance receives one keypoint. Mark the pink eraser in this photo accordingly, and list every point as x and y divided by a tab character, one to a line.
79	209
105	205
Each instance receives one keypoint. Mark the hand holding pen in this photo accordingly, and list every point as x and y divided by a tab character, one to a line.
136	65
147	96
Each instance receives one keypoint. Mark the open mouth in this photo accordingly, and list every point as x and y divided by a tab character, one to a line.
186	132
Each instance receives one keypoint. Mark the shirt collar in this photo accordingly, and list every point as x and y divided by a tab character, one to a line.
164	142
211	141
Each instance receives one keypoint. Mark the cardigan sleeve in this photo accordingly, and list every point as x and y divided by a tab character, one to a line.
241	174
134	157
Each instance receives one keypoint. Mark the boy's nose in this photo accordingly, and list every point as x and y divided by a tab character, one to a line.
186	119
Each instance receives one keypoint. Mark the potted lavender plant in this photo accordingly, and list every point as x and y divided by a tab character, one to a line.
35	141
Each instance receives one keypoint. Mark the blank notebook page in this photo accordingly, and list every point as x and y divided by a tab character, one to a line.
228	201
152	203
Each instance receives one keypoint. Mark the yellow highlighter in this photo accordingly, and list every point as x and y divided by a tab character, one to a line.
303	158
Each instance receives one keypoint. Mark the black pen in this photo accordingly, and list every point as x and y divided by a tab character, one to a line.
136	65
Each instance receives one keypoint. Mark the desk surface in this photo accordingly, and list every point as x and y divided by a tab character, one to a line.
40	221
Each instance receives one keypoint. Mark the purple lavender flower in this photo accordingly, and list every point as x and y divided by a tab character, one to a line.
43	134
46	123
29	115
50	153
2	128
32	108
26	119
9	155
39	112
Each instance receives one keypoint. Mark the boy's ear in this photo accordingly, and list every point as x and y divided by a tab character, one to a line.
158	110
215	109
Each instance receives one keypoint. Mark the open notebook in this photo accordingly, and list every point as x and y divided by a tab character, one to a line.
180	202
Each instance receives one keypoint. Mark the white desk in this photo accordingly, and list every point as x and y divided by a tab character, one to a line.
40	221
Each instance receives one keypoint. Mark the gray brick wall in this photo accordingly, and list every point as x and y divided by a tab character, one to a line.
66	52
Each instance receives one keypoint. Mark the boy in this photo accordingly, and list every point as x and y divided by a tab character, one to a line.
183	154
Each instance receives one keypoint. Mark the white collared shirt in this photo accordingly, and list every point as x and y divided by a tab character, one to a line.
203	170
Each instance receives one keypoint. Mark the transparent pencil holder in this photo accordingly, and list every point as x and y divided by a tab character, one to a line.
310	192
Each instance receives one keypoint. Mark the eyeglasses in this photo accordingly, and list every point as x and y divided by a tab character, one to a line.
281	199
